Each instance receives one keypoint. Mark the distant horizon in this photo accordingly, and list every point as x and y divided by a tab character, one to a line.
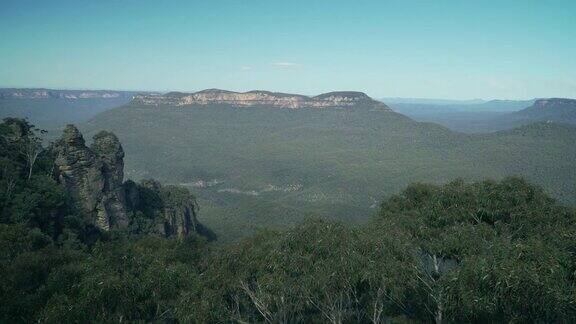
286	92
453	50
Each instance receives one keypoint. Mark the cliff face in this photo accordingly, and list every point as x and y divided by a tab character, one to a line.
552	105
94	178
176	207
260	98
11	93
554	109
179	212
107	148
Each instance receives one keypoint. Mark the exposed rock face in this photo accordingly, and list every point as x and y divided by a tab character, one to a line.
554	109
555	102
131	195
93	177
260	98
180	211
62	94
175	205
107	148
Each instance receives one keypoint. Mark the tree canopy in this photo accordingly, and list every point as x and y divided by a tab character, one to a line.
491	251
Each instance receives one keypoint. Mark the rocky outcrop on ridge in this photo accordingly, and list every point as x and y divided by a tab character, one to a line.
561	110
176	207
260	98
26	93
94	178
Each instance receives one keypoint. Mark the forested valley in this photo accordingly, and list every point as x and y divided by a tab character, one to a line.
488	251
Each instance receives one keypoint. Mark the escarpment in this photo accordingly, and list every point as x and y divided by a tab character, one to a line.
107	148
83	173
27	93
559	110
94	178
343	99
172	210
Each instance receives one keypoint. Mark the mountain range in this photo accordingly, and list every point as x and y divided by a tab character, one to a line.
492	115
264	160
259	98
48	108
40	93
554	109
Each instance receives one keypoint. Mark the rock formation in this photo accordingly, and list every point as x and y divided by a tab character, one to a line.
179	212
173	209
94	178
560	110
107	148
12	93
260	98
554	103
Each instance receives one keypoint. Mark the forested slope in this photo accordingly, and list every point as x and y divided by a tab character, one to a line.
259	167
482	252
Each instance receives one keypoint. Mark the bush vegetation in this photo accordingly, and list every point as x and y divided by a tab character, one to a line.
481	252
273	168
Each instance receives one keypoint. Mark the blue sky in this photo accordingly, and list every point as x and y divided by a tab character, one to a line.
433	49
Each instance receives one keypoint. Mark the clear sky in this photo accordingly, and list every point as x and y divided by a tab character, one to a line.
435	49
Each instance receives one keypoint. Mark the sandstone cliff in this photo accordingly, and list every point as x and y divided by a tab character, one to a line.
260	98
173	208
26	93
560	110
94	178
91	178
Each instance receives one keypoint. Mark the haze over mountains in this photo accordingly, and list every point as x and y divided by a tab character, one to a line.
80	244
31	93
554	109
52	108
261	159
342	162
260	98
254	154
492	115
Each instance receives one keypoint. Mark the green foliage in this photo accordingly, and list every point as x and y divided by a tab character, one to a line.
273	168
513	246
128	280
28	260
51	257
28	192
482	252
39	204
320	271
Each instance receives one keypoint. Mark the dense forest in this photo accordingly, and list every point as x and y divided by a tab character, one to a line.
261	167
460	252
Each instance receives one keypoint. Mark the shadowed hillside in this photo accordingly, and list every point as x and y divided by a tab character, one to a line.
493	115
52	108
270	166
